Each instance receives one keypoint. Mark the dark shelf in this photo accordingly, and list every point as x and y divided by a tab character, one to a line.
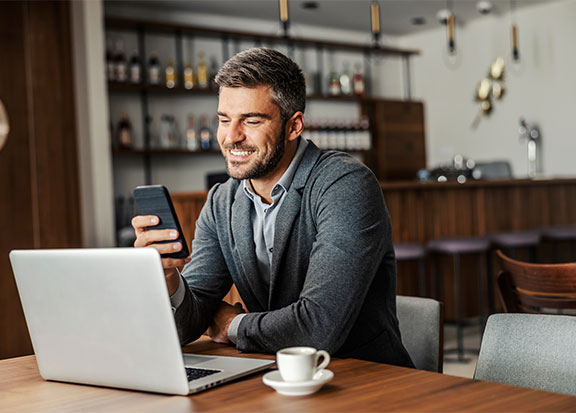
154	152
118	23
117	87
343	98
175	151
157	89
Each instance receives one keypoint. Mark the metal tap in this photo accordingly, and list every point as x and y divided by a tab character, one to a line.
532	135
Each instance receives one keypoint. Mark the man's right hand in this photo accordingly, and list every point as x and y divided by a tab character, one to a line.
146	237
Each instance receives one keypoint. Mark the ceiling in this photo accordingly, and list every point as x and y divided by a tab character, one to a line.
396	15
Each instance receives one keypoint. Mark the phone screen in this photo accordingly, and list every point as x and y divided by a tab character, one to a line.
155	200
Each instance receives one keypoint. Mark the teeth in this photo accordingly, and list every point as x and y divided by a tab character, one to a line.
240	153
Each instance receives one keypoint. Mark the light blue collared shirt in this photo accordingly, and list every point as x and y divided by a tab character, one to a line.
263	215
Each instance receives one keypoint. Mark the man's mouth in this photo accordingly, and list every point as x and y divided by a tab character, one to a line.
236	152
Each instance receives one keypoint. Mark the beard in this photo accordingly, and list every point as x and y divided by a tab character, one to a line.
263	165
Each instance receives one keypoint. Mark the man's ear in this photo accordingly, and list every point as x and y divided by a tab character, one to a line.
295	126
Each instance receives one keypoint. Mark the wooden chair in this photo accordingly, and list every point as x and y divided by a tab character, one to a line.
537	288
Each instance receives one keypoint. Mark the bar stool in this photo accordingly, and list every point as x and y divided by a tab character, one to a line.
556	235
455	247
413	252
508	242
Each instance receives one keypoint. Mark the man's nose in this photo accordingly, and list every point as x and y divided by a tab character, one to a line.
234	133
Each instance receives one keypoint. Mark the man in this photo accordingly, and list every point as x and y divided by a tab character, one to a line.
303	234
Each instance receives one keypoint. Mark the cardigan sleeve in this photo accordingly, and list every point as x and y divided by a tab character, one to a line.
207	278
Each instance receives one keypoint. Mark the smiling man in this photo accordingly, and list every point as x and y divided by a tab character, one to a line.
304	234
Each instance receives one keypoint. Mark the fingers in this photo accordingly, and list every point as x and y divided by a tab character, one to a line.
141	222
151	237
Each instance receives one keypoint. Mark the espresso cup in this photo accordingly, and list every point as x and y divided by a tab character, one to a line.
300	363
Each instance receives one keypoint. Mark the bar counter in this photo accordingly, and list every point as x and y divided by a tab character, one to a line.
422	211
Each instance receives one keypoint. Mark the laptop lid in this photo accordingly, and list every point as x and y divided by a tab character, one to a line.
103	317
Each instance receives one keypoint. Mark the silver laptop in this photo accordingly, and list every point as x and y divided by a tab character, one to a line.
103	317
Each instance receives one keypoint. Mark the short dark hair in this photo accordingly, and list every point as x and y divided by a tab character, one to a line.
262	66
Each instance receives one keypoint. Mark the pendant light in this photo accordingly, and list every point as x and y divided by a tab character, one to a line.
375	21
515	48
451	29
284	18
446	17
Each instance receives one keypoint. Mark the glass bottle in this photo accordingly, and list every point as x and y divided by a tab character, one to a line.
358	81
346	81
170	75
168	137
135	68
188	76
125	138
153	69
120	60
205	134
191	137
334	84
213	73
202	71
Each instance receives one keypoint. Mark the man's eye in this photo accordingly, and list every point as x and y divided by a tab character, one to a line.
223	121
252	122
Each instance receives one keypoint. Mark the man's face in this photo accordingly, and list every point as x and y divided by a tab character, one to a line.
251	132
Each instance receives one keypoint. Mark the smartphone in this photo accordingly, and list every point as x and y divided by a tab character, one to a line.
155	200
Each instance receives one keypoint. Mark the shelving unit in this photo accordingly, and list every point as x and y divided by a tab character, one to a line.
178	33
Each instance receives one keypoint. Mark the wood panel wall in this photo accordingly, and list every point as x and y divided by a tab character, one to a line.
39	194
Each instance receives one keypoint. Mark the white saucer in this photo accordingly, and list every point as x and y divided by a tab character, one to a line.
299	388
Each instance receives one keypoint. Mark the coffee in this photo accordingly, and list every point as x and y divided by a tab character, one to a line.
300	363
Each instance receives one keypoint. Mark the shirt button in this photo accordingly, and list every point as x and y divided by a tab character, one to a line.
270	250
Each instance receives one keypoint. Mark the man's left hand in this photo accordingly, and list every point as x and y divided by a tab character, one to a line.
218	330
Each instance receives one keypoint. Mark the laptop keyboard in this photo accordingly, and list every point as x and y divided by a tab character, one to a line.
195	373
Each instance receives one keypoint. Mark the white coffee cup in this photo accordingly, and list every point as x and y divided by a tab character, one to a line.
300	363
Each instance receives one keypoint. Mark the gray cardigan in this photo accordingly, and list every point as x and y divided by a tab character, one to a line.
333	272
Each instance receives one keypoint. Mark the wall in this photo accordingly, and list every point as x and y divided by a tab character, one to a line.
92	117
541	88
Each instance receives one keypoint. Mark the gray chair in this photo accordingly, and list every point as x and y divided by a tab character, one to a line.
529	350
422	328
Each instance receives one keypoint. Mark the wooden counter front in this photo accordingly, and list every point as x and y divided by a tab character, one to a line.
424	211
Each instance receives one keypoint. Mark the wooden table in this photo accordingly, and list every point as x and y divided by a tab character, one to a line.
357	386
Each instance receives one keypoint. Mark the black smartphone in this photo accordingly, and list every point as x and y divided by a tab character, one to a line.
155	200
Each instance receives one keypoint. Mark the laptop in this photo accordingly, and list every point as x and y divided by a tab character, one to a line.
103	317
